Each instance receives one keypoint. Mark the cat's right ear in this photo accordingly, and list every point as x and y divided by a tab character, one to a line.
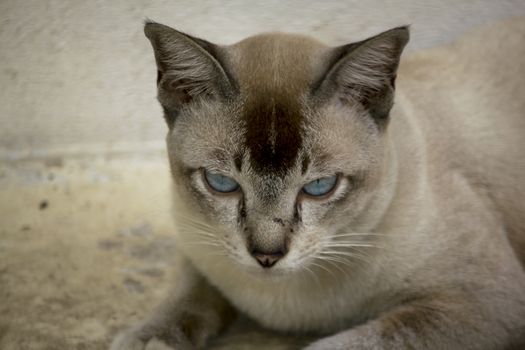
188	69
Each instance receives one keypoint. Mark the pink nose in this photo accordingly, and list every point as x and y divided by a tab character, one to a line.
267	260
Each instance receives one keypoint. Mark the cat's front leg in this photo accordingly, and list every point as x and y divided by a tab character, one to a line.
448	322
193	313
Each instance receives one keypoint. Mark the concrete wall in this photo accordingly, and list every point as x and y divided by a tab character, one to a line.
78	76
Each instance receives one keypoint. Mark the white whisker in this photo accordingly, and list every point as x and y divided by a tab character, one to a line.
354	234
333	262
335	257
324	268
349	245
348	255
213	244
315	277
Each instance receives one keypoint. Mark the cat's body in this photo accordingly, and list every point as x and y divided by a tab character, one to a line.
427	256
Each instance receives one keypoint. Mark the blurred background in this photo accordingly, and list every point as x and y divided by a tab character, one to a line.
79	76
85	231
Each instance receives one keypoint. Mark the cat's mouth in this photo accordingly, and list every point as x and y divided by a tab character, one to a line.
267	260
263	265
277	272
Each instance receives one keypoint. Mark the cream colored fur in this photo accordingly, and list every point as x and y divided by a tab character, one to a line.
440	266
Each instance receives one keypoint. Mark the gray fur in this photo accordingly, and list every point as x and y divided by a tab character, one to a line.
419	245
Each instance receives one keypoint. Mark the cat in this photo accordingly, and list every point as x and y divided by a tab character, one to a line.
309	201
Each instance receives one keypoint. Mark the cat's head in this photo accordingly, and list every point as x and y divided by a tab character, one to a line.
277	144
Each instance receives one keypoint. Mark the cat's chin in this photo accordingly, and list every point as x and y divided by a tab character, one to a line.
276	272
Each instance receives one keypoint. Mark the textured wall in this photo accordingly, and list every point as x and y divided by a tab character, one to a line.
79	77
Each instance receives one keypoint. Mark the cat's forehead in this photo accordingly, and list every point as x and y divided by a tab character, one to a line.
275	73
276	61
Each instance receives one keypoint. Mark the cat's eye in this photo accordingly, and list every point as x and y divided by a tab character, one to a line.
320	187
220	183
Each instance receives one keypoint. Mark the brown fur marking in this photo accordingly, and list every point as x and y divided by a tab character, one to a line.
273	73
274	133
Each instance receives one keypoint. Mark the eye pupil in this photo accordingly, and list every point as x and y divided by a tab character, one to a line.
221	183
320	187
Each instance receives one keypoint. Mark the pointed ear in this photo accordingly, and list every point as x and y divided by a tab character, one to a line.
365	72
188	69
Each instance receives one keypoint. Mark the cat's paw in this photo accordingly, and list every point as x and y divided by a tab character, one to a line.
155	344
128	340
331	343
131	339
135	339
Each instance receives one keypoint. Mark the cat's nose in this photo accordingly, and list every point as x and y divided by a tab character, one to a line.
266	259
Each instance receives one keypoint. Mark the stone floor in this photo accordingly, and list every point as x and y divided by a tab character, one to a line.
85	249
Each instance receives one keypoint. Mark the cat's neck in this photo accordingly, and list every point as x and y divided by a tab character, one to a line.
407	165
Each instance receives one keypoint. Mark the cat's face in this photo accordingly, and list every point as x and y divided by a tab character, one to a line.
277	144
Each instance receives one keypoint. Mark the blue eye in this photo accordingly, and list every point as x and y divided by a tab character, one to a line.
221	183
321	186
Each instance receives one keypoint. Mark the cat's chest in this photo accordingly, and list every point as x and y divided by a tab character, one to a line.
294	304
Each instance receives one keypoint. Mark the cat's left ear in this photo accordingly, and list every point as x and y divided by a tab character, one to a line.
365	72
188	68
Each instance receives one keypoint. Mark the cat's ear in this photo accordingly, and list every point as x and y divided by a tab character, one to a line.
188	69
365	72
